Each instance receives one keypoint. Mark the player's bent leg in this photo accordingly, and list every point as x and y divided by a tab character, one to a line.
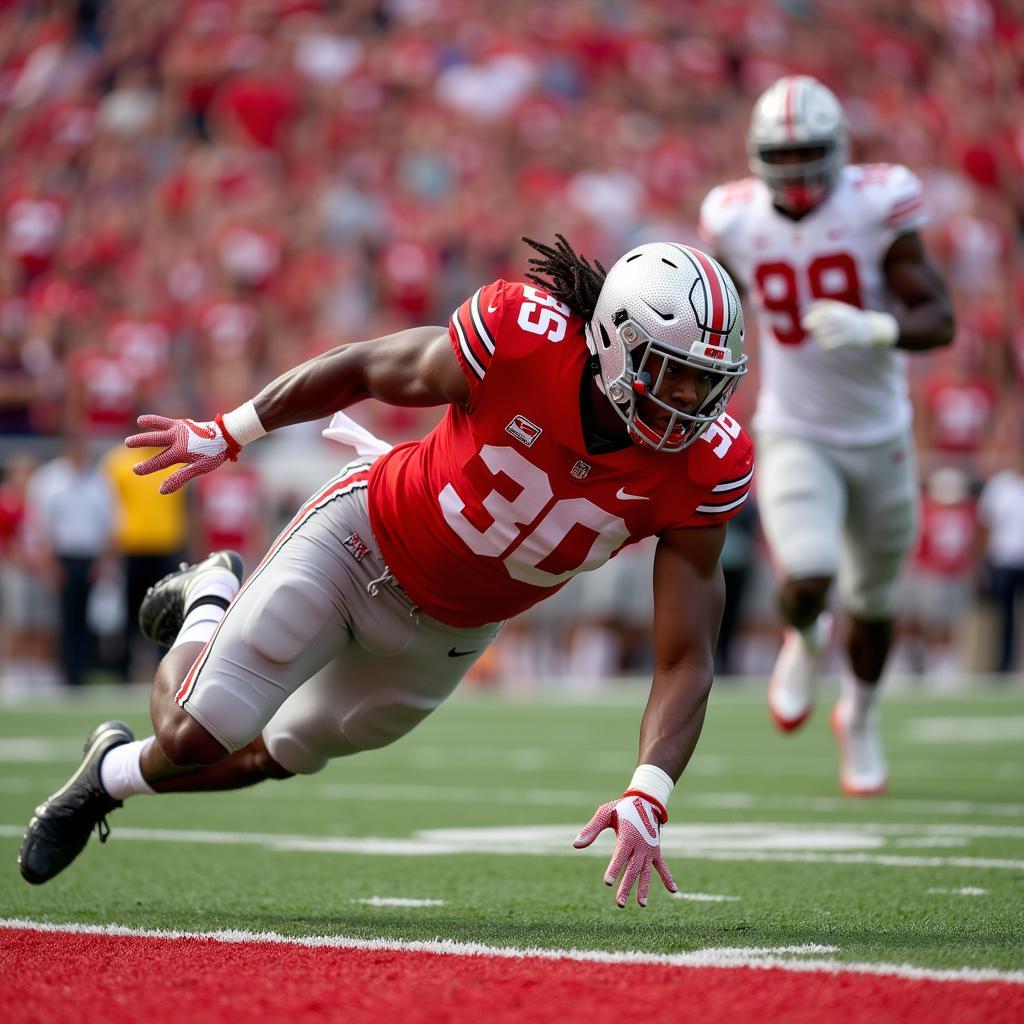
180	739
803	503
867	647
793	682
190	601
863	769
363	701
801	601
880	532
245	767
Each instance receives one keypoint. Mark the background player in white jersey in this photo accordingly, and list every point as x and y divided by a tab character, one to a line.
830	256
585	412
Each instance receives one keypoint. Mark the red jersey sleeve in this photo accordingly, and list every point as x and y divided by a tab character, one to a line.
721	470
473	328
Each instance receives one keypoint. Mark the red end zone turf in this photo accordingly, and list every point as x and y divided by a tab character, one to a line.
67	977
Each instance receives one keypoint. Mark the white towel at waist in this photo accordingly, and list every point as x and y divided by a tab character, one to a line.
345	430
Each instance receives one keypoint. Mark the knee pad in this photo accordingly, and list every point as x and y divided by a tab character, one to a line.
285	621
293	755
383	718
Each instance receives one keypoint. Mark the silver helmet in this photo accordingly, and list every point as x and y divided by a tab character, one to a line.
797	113
664	304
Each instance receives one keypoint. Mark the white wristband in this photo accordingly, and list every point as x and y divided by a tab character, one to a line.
243	423
653	781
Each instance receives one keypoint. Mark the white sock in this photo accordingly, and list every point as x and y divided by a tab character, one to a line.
121	770
199	625
200	622
859	697
213	583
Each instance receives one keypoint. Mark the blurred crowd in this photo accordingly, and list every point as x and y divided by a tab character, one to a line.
196	196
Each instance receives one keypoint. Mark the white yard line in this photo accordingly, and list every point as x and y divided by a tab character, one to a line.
705	897
61	750
773	843
408	792
780	958
398	901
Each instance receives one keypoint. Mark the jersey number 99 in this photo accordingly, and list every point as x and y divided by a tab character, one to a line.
828	277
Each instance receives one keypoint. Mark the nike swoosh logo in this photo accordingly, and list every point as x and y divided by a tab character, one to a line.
204	432
623	495
459	654
491	309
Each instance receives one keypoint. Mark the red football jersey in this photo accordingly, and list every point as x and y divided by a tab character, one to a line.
501	504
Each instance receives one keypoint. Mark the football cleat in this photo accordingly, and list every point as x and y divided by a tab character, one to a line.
863	770
163	608
60	827
794	679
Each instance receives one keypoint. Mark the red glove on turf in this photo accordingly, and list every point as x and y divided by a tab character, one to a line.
202	447
637	824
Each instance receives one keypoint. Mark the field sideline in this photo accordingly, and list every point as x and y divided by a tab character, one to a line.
455	845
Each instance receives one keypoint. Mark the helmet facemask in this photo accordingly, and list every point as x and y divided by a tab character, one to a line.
646	364
799	186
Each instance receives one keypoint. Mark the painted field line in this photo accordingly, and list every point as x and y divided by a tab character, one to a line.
447	842
780	958
414	793
705	897
828	804
967	890
60	750
402	792
398	901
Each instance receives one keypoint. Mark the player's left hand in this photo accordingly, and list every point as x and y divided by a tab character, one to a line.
637	825
834	324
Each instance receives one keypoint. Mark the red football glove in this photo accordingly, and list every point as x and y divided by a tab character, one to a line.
637	824
202	447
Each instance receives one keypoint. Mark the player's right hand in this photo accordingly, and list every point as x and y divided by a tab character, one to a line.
201	447
637	826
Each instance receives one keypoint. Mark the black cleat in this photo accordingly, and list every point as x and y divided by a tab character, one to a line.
60	828
163	608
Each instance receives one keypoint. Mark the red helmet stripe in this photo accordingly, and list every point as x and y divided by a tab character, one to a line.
790	102
718	300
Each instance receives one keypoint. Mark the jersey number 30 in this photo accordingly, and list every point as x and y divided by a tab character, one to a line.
518	537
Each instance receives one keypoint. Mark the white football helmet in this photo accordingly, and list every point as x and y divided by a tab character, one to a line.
663	304
797	113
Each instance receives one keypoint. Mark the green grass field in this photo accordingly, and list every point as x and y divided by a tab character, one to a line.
475	811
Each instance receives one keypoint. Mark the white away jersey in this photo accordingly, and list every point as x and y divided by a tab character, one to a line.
849	396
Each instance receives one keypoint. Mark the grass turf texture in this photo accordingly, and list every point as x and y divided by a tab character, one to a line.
481	762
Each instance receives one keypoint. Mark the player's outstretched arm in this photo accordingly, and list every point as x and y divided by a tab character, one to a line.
689	593
416	367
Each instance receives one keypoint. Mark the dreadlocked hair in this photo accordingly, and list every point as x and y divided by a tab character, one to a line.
569	278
